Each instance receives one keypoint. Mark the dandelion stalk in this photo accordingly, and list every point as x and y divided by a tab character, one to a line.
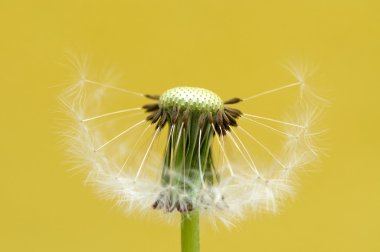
190	232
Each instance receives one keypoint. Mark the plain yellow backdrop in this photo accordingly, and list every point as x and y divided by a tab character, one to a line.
222	45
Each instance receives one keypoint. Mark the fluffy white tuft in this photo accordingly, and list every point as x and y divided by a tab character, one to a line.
255	186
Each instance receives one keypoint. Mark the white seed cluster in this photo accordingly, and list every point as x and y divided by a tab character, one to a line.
124	160
192	98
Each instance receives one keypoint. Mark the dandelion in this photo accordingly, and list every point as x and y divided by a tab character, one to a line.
188	150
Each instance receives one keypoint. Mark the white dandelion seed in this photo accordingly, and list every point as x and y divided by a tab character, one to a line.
126	159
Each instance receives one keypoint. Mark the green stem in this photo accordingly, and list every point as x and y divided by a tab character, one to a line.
190	232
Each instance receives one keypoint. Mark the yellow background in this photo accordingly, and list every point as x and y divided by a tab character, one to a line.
227	46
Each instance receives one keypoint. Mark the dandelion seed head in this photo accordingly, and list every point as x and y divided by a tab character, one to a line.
187	150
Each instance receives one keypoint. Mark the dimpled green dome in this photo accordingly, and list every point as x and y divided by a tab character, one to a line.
195	99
